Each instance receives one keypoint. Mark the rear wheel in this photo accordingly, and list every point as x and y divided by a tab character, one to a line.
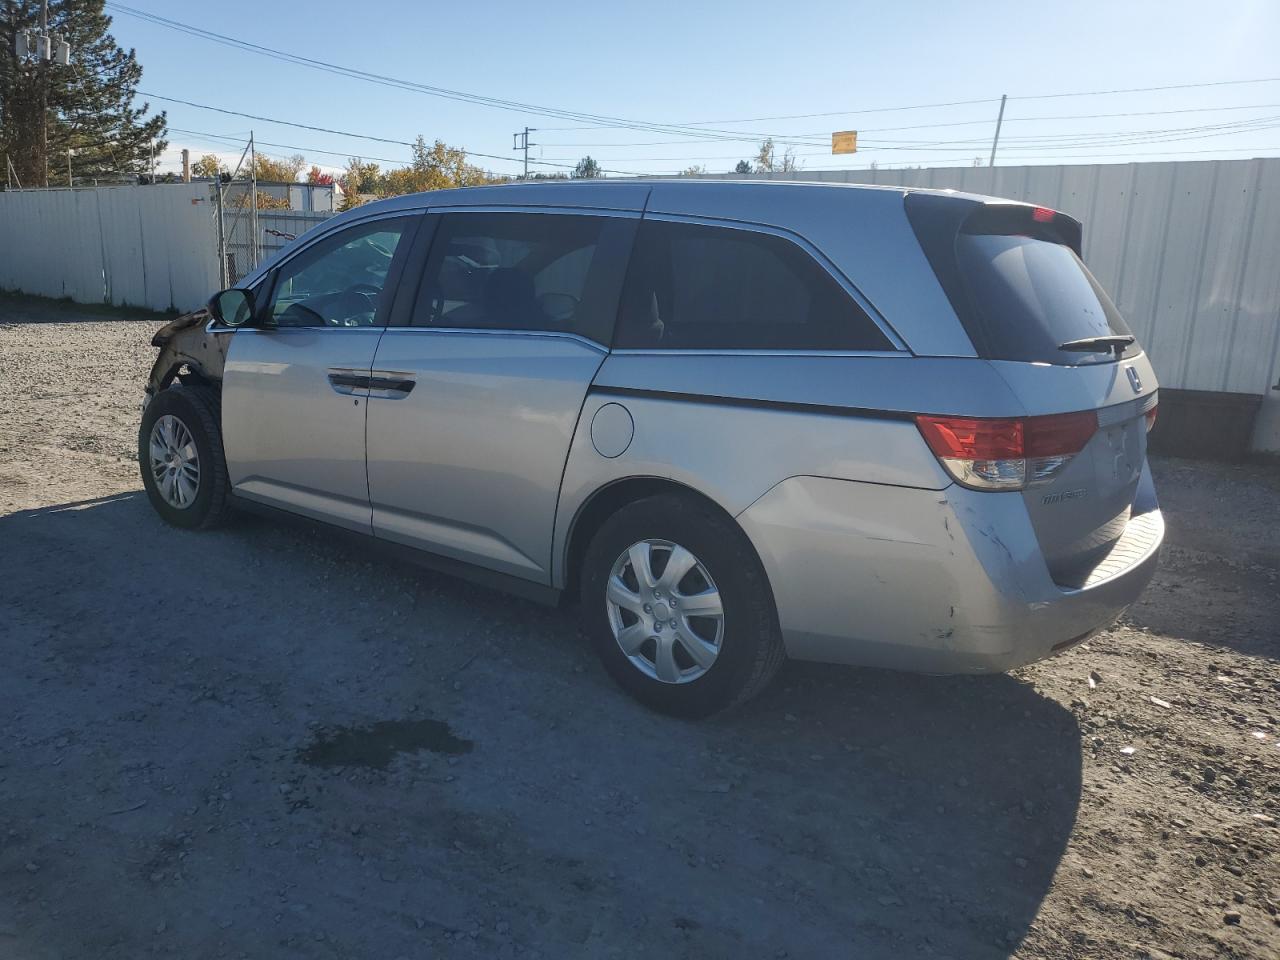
678	607
180	456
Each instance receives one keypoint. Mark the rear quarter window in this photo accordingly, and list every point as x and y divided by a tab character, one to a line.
692	286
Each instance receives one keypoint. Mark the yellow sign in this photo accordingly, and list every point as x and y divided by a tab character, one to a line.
846	141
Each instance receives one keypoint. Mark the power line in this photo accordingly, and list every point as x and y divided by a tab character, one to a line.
346	133
809	116
958	103
1048	142
409	85
1171	86
986	121
232	139
605	121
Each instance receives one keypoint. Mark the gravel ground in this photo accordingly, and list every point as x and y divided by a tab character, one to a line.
255	743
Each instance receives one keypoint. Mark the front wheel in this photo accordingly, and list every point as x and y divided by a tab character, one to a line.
679	608
180	456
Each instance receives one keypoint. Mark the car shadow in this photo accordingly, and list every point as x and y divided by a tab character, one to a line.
193	680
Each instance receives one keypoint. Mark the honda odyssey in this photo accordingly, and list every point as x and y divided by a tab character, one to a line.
737	421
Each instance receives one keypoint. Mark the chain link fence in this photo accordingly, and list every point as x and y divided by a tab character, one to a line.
255	219
240	251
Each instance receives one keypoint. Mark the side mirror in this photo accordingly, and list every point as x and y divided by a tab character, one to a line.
232	308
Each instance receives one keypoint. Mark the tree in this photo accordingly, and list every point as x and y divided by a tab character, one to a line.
742	167
208	166
768	162
694	171
435	167
587	169
87	107
278	171
318	176
360	178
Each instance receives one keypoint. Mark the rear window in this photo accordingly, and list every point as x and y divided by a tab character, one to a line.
1033	294
1015	278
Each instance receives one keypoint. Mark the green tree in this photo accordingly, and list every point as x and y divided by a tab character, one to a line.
742	167
86	107
587	169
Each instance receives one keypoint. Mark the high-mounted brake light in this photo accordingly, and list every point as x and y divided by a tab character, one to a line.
1042	215
1006	454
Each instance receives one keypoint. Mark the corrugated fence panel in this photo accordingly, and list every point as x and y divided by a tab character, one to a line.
1254	305
1171	301
151	246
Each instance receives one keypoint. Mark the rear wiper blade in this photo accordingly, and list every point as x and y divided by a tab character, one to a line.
1116	344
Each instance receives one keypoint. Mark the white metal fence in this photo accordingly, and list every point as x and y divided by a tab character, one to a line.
141	246
153	246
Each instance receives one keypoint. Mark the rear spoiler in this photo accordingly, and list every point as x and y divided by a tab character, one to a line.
938	218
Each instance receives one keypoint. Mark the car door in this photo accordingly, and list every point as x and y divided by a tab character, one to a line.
476	396
295	383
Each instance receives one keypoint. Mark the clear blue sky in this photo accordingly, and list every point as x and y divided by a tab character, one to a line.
688	62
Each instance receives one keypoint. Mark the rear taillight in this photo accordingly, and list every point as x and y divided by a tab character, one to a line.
1151	418
1006	454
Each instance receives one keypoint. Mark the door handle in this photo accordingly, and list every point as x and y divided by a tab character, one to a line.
348	381
390	385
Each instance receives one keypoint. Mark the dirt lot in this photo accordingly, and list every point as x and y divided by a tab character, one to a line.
255	743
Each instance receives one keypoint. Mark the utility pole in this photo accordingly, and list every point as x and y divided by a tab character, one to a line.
70	179
186	165
253	198
46	54
222	231
995	142
520	141
44	86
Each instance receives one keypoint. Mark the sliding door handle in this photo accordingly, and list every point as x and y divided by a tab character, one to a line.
390	385
348	381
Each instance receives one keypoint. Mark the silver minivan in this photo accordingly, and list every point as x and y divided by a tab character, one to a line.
737	421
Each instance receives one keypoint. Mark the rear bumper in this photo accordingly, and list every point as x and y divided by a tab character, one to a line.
939	581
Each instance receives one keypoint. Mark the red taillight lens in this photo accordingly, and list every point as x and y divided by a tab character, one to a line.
1006	454
1060	433
971	438
1042	215
1151	418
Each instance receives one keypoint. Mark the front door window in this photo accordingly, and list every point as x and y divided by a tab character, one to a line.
339	282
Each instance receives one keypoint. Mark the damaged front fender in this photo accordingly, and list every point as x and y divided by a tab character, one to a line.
190	349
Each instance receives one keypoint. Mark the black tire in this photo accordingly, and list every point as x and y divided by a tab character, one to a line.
199	409
751	649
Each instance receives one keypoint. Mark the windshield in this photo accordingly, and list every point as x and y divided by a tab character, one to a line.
1030	295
